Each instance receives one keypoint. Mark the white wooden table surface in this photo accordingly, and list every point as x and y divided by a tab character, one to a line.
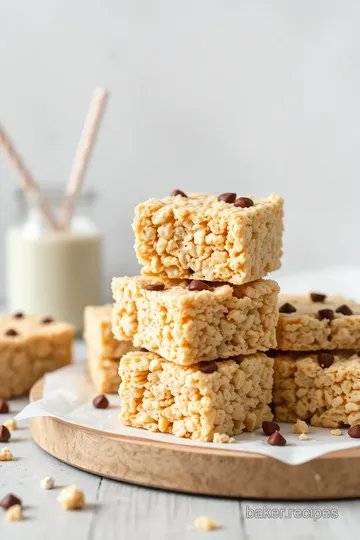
117	511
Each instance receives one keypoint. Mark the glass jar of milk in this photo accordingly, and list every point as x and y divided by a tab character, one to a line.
54	273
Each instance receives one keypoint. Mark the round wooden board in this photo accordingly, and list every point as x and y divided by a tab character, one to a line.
196	470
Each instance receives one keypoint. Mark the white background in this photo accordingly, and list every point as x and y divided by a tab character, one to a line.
231	95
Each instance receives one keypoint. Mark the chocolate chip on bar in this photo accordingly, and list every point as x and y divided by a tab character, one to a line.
101	402
9	500
244	202
270	427
155	287
142	349
344	309
325	359
317	297
287	308
4	434
11	332
47	320
354	431
208	367
326	314
276	439
18	315
227	197
177	192
197	285
4	407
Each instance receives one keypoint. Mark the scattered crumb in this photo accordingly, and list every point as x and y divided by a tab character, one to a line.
71	498
14	513
5	454
303	437
223	438
47	482
10	424
317	477
205	523
336	432
300	427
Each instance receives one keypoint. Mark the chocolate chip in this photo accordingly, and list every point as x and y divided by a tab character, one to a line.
326	314
227	197
317	297
191	271
177	192
276	439
155	287
208	367
143	349
4	434
325	359
287	308
197	285
47	320
4	407
344	309
271	353
270	427
354	431
9	500
101	402
243	202
18	315
11	332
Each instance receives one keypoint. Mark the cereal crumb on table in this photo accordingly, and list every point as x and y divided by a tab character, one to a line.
205	523
10	424
5	454
71	498
303	437
47	482
223	438
14	513
300	427
336	432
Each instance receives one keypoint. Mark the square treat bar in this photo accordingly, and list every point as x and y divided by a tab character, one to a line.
104	351
307	324
198	236
187	326
227	396
327	396
31	346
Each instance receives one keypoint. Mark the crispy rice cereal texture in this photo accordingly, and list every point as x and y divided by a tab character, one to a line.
328	397
162	396
189	326
199	237
304	331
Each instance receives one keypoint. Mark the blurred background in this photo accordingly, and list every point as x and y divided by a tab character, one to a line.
247	96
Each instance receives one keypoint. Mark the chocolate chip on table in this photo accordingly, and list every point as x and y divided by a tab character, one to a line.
317	297
18	315
155	287
101	402
47	320
344	309
4	407
276	439
354	431
244	202
178	192
287	308
326	314
10	500
197	285
227	197
4	434
270	427
325	359
11	332
208	367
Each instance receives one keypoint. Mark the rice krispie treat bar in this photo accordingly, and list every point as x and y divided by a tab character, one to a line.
321	387
199	236
317	322
190	321
227	396
104	351
31	346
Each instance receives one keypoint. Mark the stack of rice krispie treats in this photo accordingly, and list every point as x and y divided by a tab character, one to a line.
202	314
317	365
